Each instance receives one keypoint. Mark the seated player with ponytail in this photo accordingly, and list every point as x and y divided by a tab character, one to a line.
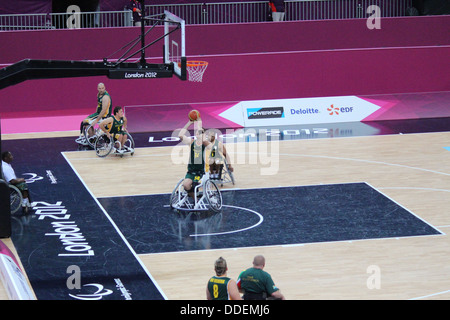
220	286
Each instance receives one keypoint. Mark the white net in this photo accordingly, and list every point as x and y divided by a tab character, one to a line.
195	70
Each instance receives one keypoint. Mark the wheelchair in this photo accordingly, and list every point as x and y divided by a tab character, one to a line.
224	174
207	196
90	133
103	146
15	196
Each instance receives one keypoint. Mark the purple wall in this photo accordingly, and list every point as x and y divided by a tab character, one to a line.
318	35
279	60
25	6
231	38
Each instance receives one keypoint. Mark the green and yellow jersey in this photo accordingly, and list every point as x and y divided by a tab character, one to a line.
218	288
100	104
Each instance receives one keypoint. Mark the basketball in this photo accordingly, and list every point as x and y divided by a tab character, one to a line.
194	115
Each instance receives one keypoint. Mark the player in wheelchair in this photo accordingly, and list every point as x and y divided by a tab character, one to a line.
90	131
203	196
114	138
218	161
89	127
18	187
196	192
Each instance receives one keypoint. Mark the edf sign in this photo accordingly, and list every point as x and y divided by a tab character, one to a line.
346	109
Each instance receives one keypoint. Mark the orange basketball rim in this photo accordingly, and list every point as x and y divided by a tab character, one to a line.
196	69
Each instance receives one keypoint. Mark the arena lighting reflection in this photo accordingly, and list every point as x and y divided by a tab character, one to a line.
279	133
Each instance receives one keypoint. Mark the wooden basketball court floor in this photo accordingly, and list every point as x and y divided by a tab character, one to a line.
413	170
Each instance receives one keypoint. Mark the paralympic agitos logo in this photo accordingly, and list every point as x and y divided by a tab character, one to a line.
265	113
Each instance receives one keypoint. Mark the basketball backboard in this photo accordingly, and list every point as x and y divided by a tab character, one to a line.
174	59
175	44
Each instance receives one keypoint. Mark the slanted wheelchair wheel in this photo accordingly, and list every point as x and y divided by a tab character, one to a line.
213	196
82	138
175	195
226	175
103	146
15	198
129	143
231	175
91	137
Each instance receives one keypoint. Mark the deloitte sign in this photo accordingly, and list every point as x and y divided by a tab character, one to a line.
299	111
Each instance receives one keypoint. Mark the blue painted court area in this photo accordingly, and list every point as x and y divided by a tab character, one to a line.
69	228
265	217
103	236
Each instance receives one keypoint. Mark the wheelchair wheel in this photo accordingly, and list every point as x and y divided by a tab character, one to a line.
230	174
15	198
213	196
226	175
129	144
175	196
82	138
103	146
91	133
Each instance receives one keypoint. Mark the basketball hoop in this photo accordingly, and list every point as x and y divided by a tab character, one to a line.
196	69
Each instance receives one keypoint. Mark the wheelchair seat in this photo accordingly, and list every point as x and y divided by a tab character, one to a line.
104	146
15	196
224	174
206	196
89	134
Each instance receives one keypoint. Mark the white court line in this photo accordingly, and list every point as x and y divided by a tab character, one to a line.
415	188
321	243
422	189
261	219
297	155
329	157
367	161
412	213
430	295
117	230
309	243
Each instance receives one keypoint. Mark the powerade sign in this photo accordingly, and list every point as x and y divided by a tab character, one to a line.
265	113
280	112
